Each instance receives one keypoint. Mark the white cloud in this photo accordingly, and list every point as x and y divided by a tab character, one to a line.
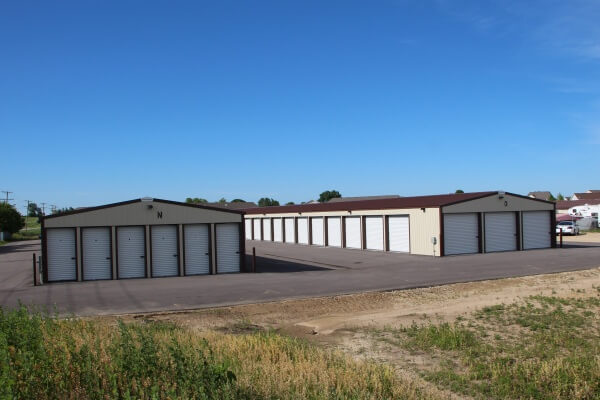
566	28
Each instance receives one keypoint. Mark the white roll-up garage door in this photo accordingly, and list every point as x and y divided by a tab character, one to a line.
302	230
164	251
248	228
266	229
536	230
353	232
257	235
461	233
289	230
316	226
398	231
62	256
96	253
500	231
131	252
228	248
277	230
374	234
334	232
196	248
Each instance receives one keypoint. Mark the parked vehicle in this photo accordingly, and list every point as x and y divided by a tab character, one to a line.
586	210
567	228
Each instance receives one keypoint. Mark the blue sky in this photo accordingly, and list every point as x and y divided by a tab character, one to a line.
104	101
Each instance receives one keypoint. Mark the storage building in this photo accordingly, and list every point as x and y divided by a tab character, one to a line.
428	225
142	238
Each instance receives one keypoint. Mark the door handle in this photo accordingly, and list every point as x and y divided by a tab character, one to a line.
142	256
73	258
206	254
174	255
108	258
237	252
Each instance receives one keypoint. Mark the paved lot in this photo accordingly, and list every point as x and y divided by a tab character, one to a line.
284	271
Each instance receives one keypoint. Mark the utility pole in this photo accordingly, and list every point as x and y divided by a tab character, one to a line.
43	208
53	208
26	213
7	193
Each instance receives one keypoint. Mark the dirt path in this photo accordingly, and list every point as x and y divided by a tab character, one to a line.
589	237
325	316
347	323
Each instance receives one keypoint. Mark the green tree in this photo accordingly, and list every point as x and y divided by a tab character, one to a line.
458	191
33	210
62	210
290	203
328	195
238	201
196	200
551	198
560	197
10	219
222	200
267	202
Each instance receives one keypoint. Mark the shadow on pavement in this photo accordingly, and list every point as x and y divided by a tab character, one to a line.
264	264
19	247
574	245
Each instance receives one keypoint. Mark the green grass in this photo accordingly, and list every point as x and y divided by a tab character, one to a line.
42	357
33	231
25	235
542	348
32	223
596	230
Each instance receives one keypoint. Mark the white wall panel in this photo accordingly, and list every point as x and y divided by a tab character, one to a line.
62	260
266	222
500	231
536	230
96	253
228	248
334	232
374	232
317	231
290	236
353	232
196	242
302	230
399	235
165	254
277	230
461	233
131	250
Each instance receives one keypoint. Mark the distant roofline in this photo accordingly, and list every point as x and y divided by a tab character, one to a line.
432	201
359	198
140	200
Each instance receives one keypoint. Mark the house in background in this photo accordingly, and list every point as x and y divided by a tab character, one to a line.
359	198
541	195
587	195
235	205
562	207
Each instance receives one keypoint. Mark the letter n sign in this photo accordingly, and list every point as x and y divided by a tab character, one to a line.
159	214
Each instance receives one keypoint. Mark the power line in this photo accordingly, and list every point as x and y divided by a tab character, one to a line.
7	194
43	208
27	213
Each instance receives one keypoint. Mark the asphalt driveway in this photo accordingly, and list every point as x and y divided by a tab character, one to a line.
284	271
